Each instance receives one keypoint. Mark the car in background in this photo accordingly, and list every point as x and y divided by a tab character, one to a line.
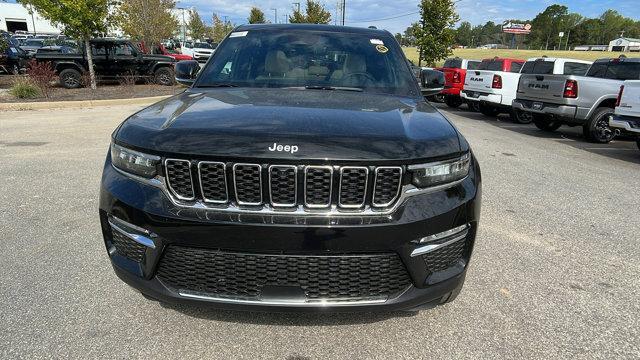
626	119
484	86
455	72
200	51
113	59
163	50
31	46
572	100
13	60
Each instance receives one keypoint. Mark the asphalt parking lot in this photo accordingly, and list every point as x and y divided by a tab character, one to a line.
555	274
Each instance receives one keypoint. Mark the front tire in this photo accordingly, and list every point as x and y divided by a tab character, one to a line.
597	128
70	78
489	110
164	76
453	101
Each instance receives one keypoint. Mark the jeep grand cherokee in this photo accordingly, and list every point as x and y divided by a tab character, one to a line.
301	170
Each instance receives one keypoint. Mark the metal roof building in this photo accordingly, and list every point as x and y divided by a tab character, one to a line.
624	44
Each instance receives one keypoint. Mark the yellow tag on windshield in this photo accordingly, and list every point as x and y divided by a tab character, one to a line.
382	49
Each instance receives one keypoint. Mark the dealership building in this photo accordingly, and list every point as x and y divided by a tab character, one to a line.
624	44
16	17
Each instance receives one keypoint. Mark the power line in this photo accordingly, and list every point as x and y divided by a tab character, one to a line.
382	19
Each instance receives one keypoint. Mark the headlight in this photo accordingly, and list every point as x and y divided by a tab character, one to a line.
134	162
426	175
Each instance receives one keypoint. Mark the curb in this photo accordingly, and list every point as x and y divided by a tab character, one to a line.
79	103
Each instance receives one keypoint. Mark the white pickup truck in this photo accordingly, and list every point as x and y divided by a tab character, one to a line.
626	119
500	98
199	51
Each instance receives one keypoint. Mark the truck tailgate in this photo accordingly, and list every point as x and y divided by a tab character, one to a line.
479	80
630	101
547	88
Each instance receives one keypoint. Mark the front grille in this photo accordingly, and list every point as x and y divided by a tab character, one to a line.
126	247
286	187
180	179
445	257
236	275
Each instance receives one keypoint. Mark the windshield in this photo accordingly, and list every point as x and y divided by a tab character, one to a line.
539	67
202	46
492	65
303	58
453	63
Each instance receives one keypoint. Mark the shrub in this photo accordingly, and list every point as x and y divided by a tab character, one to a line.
23	88
128	79
42	75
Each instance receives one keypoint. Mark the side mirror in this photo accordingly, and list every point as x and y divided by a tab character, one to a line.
187	71
431	82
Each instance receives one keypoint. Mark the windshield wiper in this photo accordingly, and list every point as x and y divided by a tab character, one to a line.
338	88
216	85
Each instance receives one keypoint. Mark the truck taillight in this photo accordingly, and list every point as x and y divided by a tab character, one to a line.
619	96
456	77
497	82
571	89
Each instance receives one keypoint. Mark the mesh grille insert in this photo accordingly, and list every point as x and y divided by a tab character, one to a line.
445	257
283	185
237	275
318	186
248	183
387	185
353	186
179	178
126	246
213	182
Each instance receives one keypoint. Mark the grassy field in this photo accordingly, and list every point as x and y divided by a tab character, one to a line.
480	54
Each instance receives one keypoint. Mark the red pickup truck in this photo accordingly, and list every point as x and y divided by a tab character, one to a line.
455	71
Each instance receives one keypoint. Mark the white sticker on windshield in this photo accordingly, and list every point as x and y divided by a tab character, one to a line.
377	42
239	34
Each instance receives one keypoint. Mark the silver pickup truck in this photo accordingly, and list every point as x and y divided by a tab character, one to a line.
587	101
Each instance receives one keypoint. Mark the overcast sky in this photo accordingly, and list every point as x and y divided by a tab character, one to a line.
397	15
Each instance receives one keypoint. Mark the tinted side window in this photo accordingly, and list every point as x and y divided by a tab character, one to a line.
473	65
515	67
597	70
623	71
571	68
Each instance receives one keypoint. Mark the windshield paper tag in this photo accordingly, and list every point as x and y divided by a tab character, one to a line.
238	34
376	42
382	49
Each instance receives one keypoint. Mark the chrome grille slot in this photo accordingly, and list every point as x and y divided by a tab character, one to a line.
353	186
318	184
247	180
283	185
179	179
387	183
213	182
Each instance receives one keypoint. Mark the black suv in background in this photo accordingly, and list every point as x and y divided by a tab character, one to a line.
112	59
302	170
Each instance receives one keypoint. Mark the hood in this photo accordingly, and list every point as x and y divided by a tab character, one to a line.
322	125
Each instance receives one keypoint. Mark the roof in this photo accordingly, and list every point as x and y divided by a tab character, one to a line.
312	27
563	59
625	59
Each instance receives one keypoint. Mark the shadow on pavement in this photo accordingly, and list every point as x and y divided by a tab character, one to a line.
624	149
285	318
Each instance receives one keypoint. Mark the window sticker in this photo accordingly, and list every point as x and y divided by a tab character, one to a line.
238	34
377	42
382	49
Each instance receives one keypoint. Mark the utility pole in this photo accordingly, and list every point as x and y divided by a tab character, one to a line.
276	16
344	10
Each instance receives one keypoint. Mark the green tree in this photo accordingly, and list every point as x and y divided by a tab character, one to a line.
410	34
82	19
4	44
220	29
197	28
256	16
613	24
464	34
150	21
570	22
436	35
315	14
546	26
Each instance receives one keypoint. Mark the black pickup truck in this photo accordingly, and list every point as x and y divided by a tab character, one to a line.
112	59
302	169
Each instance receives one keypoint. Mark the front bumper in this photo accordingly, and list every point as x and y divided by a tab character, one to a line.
153	216
626	124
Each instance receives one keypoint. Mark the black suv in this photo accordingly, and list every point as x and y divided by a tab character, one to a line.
112	59
302	170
